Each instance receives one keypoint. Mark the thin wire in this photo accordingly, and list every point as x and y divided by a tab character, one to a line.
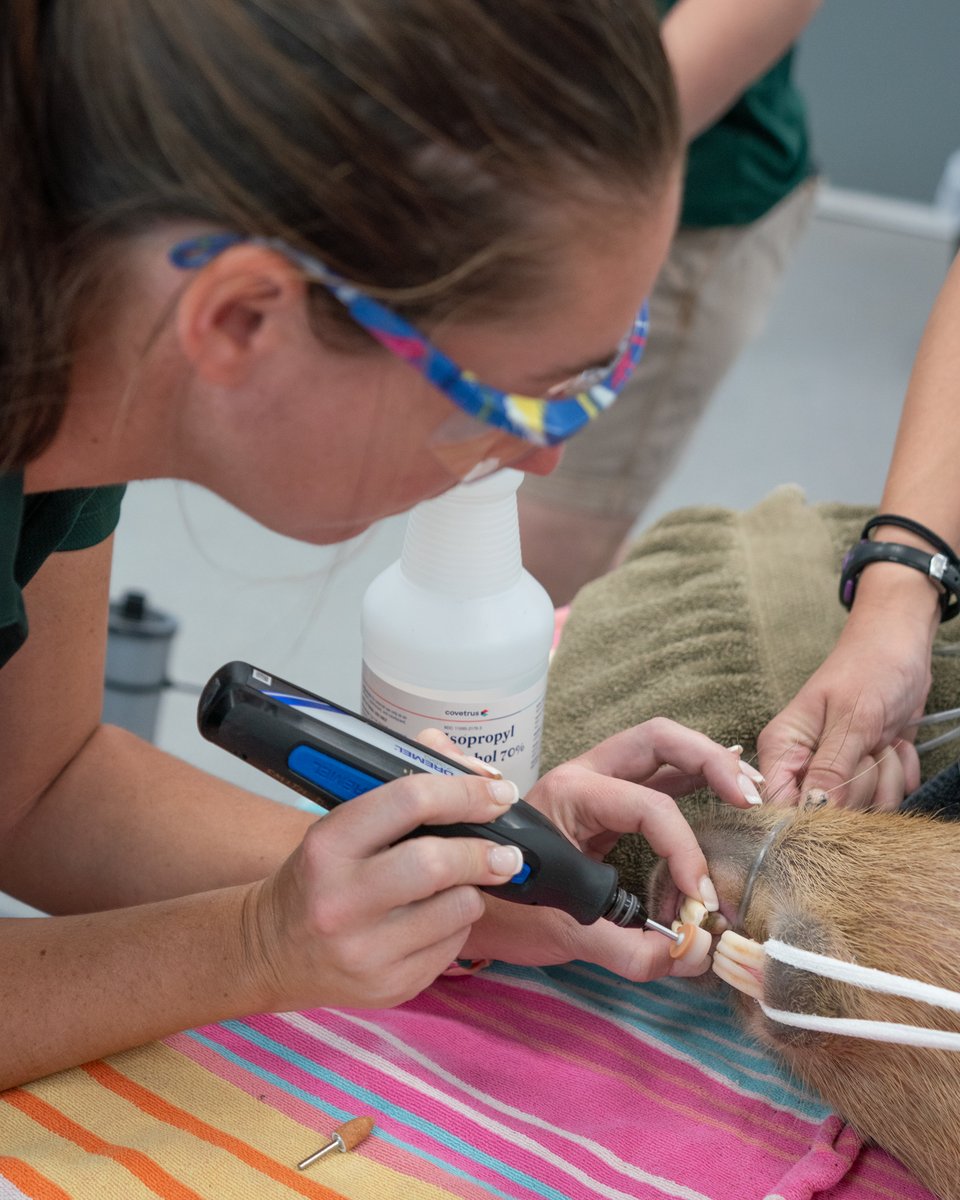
866	770
754	873
949	736
937	718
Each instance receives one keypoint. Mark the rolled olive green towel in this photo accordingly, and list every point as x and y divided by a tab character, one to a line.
716	619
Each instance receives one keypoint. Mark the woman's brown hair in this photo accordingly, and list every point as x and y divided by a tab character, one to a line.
404	142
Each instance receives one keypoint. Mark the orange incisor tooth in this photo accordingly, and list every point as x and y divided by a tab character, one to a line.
742	950
737	976
738	961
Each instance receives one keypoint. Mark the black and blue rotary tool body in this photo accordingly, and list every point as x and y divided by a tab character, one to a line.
331	755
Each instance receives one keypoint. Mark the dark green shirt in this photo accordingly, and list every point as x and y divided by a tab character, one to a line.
752	157
36	526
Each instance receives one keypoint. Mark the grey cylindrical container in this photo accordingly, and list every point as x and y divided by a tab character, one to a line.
138	647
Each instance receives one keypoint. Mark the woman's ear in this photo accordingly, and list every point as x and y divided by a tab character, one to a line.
235	310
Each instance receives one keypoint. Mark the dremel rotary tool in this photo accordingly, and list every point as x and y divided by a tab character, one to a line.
330	755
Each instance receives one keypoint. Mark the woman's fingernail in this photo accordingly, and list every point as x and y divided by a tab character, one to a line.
738	749
479	765
815	798
504	791
749	790
505	860
708	894
751	772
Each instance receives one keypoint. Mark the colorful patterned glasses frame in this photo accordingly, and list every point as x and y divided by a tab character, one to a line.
541	421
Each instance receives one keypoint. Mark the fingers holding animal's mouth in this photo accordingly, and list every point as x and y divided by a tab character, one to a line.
674	909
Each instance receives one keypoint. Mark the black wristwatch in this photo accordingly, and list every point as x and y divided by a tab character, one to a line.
936	567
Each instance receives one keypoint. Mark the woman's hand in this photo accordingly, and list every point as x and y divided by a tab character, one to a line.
623	785
847	735
626	784
356	918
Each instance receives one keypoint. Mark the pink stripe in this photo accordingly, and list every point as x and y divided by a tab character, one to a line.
635	1128
605	1044
538	1009
471	1128
600	1046
876	1167
884	1175
569	1052
648	1032
572	1069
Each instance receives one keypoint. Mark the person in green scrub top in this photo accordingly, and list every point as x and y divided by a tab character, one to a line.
748	196
247	244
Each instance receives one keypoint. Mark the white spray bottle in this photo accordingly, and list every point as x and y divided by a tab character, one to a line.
457	635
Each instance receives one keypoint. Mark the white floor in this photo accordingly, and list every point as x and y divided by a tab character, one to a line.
814	401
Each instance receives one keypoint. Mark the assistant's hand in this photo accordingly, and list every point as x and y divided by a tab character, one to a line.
353	920
623	785
848	733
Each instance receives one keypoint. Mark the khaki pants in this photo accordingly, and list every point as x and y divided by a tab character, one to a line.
709	302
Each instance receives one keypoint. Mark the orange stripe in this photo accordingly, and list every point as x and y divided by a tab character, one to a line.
29	1181
155	1106
134	1161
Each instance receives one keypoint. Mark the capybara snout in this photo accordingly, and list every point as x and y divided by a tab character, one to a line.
878	889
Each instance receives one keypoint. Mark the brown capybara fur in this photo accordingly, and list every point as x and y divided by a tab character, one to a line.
878	889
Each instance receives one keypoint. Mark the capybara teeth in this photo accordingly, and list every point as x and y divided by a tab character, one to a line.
742	950
739	961
692	911
738	977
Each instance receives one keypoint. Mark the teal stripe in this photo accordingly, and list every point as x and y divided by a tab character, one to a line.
653	1005
652	1008
654	1002
379	1104
707	1001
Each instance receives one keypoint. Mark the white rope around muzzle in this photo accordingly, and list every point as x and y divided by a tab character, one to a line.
873	980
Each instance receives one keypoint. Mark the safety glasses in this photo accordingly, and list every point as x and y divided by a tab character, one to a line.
540	421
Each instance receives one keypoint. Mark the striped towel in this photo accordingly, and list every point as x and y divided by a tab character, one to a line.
520	1083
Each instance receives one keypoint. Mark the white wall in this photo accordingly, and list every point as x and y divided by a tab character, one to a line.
882	84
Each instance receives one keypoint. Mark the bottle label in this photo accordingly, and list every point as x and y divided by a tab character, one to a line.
503	731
